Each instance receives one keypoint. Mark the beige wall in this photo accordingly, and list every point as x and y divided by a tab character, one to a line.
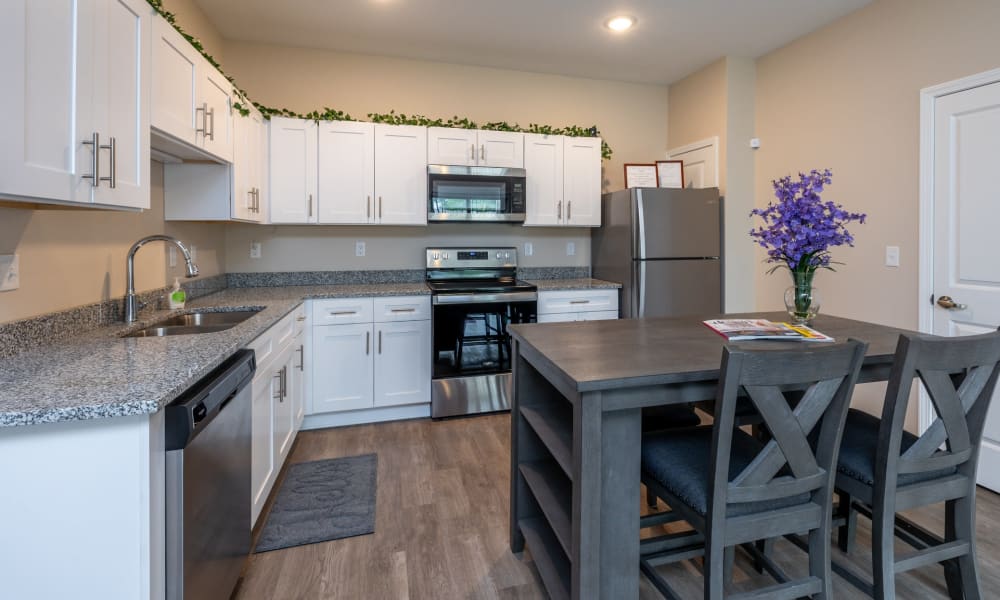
718	101
70	257
193	21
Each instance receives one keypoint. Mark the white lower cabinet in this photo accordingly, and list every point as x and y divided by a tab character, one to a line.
278	397
577	305
378	354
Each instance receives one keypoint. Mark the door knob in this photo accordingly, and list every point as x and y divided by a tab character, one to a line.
947	302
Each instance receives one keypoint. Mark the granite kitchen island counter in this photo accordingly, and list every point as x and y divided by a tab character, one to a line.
100	374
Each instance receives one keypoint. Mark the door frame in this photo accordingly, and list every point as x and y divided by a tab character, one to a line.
925	286
712	141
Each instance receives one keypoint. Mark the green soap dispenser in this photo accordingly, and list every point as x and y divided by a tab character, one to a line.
177	296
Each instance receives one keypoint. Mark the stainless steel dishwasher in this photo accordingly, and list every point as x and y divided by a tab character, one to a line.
208	482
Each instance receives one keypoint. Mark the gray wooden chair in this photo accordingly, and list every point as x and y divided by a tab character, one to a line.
883	469
734	489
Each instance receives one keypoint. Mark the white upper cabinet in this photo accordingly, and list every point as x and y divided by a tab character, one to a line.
400	174
192	102
347	179
582	181
292	170
75	73
543	166
249	167
470	147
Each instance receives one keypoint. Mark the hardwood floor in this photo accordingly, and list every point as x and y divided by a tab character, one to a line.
441	527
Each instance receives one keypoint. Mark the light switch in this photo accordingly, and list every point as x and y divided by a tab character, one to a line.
892	256
529	249
570	248
254	249
10	276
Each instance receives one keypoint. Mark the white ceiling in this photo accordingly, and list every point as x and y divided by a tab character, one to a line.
673	38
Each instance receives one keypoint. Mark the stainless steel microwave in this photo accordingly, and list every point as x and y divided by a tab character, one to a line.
481	194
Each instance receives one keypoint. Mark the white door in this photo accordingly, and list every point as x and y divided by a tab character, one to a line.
402	363
120	103
543	166
244	167
450	146
966	212
501	149
400	174
342	373
174	71
262	440
701	163
582	181
292	170
215	109
347	172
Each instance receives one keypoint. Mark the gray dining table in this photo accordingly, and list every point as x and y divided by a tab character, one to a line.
579	389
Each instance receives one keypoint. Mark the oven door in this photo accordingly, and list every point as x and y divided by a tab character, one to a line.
486	194
472	355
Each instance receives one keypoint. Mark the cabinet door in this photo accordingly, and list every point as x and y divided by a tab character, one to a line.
284	409
347	176
174	76
401	174
342	373
262	468
402	363
543	164
297	382
120	102
292	170
582	181
244	154
450	146
214	108
501	149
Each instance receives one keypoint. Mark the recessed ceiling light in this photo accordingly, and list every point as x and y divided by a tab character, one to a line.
621	23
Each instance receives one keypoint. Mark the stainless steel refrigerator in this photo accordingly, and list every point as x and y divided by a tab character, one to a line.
665	247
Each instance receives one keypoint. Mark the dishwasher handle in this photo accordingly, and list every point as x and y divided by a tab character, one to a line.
195	408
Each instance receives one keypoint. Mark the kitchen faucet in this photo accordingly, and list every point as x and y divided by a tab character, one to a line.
131	302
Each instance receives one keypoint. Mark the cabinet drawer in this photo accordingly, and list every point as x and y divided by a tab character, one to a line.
284	330
263	348
301	317
402	308
577	301
338	311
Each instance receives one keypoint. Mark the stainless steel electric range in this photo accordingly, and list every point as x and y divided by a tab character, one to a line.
475	295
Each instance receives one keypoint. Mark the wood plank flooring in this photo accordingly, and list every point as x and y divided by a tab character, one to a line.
441	528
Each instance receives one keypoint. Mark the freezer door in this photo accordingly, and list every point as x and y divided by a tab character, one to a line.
677	223
670	288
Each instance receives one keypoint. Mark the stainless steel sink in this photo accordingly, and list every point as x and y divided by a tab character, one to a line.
196	322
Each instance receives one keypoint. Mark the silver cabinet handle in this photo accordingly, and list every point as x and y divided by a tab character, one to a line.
344	312
368	341
579	301
302	357
211	119
404	310
279	394
380	207
472	152
284	381
482	152
380	341
300	319
368	207
95	143
560	211
569	210
256	200
252	206
112	177
310	205
203	109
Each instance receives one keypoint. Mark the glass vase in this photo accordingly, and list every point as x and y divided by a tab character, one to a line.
802	299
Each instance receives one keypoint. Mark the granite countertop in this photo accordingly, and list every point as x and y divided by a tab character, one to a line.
585	283
99	374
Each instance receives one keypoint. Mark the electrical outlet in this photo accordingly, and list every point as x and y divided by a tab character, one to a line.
529	249
193	251
570	248
254	249
10	275
892	256
171	256
359	248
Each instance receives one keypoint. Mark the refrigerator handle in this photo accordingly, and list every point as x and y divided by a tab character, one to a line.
640	251
642	289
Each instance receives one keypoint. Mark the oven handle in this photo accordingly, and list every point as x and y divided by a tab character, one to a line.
484	298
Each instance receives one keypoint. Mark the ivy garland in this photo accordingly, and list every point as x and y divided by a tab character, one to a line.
243	102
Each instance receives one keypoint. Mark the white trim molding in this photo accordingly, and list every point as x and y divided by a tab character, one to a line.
928	99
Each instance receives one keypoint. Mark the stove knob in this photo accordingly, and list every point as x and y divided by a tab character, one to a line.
499	255
445	256
506	256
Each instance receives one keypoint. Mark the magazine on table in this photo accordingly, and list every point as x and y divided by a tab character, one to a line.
737	330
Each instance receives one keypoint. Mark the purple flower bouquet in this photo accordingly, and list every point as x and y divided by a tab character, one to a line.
798	232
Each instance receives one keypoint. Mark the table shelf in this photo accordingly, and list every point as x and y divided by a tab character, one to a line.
554	494
552	564
554	426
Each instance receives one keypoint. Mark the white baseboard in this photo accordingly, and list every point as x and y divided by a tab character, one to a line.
368	415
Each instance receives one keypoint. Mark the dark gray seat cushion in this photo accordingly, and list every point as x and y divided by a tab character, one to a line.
680	461
658	418
860	444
